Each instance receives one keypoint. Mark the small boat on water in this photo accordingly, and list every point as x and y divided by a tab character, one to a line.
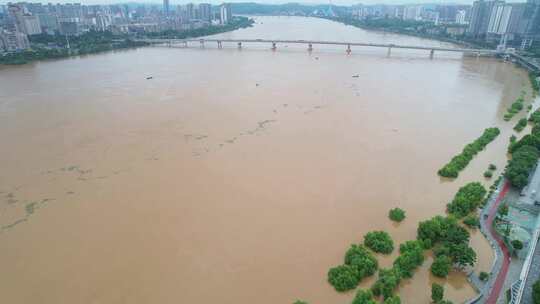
355	76
149	77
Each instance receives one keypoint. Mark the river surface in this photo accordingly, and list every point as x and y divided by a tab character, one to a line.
234	176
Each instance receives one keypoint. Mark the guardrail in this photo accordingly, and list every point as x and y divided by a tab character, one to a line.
310	43
516	297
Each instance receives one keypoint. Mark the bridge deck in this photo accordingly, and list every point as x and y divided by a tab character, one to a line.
317	42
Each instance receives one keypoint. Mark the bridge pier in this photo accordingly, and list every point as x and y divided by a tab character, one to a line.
310	43
431	53
389	51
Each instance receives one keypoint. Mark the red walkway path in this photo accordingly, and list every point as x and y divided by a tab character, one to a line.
497	286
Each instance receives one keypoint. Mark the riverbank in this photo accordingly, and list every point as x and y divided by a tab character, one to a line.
97	42
410	28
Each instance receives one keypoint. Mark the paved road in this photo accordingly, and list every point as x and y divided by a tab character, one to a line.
501	276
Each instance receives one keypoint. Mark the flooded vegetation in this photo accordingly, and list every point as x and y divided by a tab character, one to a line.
242	175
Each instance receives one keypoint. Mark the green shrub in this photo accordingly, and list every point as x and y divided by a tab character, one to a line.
386	283
523	161
411	257
483	276
535	116
536	292
396	214
379	241
520	125
492	167
534	83
467	199
488	174
503	210
437	292
392	300
515	107
441	266
517	244
448	238
343	277
363	261
462	255
364	297
472	221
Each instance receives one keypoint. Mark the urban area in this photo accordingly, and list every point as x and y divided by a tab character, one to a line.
483	24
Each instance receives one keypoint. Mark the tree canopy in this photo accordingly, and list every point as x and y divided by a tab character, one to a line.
343	277
396	214
441	266
437	292
467	199
379	241
460	161
519	167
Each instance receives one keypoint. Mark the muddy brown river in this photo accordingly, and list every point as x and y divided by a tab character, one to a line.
234	176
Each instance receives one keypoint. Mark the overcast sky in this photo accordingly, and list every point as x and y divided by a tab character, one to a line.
337	2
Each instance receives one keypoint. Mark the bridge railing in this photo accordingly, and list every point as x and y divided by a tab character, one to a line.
320	42
519	286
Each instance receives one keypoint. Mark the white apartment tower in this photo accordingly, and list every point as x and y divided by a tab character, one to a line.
226	14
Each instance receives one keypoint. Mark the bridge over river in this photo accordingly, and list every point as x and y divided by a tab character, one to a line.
311	43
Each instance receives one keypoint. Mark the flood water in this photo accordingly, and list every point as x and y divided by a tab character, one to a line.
234	176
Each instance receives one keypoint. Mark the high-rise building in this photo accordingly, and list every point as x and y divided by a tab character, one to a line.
517	23
413	12
225	13
205	12
499	19
103	22
69	26
49	23
532	15
461	17
190	11
23	21
447	13
166	7
31	25
13	41
480	17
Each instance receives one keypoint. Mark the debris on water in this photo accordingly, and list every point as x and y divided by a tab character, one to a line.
355	76
149	77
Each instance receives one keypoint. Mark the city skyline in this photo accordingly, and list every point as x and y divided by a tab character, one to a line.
304	2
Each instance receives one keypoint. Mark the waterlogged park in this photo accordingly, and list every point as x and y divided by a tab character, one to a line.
509	208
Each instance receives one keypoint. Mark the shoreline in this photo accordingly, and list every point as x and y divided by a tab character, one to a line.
40	54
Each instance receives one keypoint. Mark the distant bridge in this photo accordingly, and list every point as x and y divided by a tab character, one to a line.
310	43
